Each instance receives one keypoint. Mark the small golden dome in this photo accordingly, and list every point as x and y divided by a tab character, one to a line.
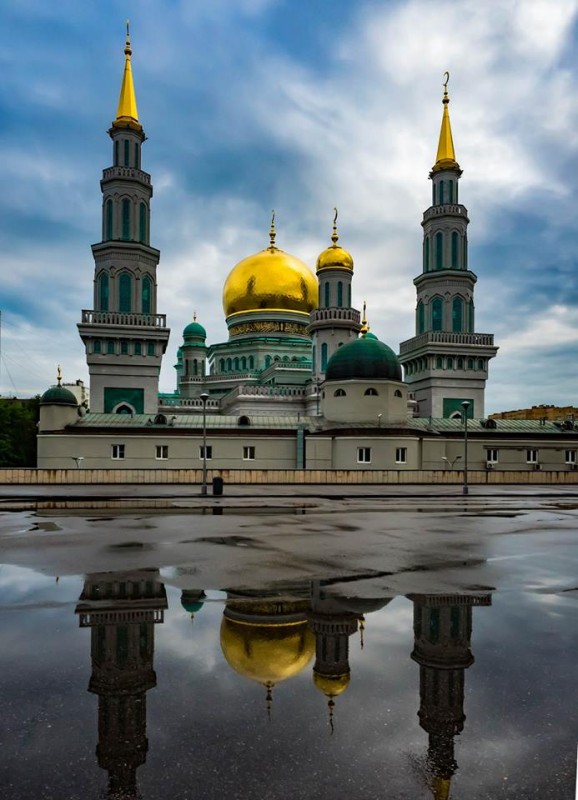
267	653
331	685
334	256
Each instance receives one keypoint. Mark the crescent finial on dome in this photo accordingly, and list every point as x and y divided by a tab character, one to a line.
335	235
364	327
272	232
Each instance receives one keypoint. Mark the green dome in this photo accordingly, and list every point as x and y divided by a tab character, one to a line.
364	359
370	335
192	601
194	331
58	396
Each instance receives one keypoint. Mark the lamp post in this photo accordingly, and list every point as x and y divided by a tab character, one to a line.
204	398
465	406
317	385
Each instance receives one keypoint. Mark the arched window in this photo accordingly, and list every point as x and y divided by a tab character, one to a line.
339	393
244	421
439	363
457	315
314	357
125	219
285	358
471	316
339	294
455	246
124	293
460	364
470	363
442	198
349	295
267	361
126	153
439	240
326	294
426	254
451	191
103	292
450	363
236	364
481	363
108	220
229	365
116	153
142	223
420	317
124	408
136	156
323	357
138	348
195	367
96	346
437	311
243	363
146	295
124	347
251	362
397	393
221	365
371	392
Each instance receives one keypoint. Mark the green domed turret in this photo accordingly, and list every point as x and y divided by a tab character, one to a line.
58	395
194	331
364	359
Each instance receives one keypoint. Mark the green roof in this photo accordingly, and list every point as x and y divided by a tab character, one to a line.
58	396
194	331
364	359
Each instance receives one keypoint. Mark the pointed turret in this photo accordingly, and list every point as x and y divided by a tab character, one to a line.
446	156
127	113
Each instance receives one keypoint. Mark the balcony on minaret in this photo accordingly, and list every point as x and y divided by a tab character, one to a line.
446	208
120	318
334	313
444	338
126	172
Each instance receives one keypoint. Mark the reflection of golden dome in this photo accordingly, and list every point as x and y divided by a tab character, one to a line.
271	279
267	653
331	685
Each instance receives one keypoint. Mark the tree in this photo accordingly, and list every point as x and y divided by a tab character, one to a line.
18	430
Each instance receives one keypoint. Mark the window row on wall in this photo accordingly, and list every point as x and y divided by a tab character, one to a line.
126	153
445	363
123	347
532	456
126	219
364	455
455	315
334	294
370	392
118	452
444	191
194	366
126	301
445	251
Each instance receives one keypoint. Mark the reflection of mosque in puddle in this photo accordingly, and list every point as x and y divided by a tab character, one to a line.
268	638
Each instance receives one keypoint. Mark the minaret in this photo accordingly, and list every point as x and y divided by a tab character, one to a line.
124	336
446	362
442	631
121	609
334	322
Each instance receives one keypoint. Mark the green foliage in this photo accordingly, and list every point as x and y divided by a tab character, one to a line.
18	430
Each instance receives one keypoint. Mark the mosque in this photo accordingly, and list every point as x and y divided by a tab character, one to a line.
300	382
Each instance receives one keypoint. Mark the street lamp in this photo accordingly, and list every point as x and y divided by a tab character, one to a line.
204	398
451	463
465	406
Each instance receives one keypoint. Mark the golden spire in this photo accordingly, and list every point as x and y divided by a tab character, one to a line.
126	113
194	316
364	327
334	235
361	630
441	788
446	157
272	233
58	376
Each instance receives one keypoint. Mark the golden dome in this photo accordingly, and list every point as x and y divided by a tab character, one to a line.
267	653
271	279
334	256
331	685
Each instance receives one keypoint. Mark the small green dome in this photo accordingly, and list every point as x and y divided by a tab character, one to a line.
58	396
370	335
364	359
194	331
192	601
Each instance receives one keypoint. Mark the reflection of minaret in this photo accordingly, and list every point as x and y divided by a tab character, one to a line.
122	609
442	631
332	626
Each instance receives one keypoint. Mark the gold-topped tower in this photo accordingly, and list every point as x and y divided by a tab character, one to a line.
127	113
446	156
334	255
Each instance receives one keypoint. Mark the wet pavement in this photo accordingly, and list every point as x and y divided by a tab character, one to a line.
264	645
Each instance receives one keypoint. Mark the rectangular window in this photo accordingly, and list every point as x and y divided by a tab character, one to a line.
531	456
110	347
96	346
401	455
161	452
150	348
571	456
364	455
124	348
492	455
117	452
209	450
249	453
137	348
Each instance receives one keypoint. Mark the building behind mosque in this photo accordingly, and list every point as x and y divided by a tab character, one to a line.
301	382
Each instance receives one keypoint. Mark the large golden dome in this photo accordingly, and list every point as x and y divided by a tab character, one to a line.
271	279
267	653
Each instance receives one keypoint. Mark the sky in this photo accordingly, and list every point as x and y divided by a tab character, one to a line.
300	106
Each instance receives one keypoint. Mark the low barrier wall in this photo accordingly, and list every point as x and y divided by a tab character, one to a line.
56	477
